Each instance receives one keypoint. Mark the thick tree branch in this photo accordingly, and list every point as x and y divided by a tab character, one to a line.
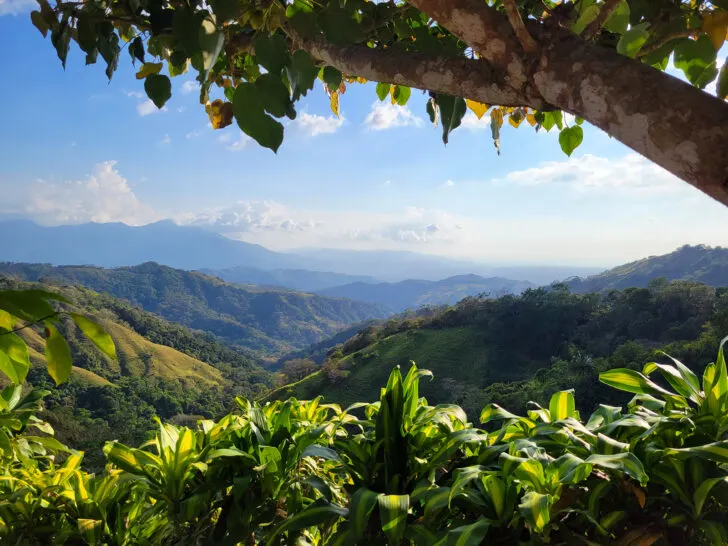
458	76
514	18
608	8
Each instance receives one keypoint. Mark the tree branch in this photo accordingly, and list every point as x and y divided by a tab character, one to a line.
514	18
605	13
458	76
654	46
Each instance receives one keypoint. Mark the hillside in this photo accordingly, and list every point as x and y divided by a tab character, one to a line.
411	294
518	348
270	321
704	264
295	279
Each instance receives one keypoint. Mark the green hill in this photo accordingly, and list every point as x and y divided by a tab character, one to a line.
266	320
518	348
701	263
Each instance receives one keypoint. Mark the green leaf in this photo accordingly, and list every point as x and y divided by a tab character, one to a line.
14	360
562	405
96	334
716	451
715	531
340	25
317	450
627	463
552	118
302	17
618	21
401	94
108	46
226	10
393	511
536	509
177	64
716	394
158	88
136	49
452	109
570	138
696	58
186	28
274	95
632	40
318	513
7	321
332	77
588	11
466	535
302	73
383	90
686	386
58	355
628	380
361	507
38	22
570	469
30	305
271	52
211	42
251	117
722	87
702	492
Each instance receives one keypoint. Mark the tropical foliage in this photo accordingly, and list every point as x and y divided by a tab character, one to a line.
397	471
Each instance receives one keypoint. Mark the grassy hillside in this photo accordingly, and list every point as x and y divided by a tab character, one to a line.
519	348
271	321
704	264
411	294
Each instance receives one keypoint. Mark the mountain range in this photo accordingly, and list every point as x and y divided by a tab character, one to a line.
411	294
295	279
265	320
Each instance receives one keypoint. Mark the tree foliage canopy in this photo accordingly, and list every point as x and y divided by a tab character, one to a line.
520	60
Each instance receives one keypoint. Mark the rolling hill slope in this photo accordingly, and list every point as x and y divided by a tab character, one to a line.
295	279
704	264
258	319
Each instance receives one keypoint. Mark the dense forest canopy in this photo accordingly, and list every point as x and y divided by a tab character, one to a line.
524	60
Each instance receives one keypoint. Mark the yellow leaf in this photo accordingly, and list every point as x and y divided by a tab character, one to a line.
478	108
342	88
496	117
148	69
516	118
220	113
334	102
531	119
715	25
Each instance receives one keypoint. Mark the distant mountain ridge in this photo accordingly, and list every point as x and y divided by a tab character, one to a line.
411	294
269	321
700	263
295	279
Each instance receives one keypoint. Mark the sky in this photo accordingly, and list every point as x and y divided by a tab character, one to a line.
75	148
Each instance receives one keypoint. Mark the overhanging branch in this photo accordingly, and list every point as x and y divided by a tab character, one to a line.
608	8
458	76
514	18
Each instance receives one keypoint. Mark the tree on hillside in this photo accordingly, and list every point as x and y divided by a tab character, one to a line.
600	60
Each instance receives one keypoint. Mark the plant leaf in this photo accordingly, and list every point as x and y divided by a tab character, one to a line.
58	355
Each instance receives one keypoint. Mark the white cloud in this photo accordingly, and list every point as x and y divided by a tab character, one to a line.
193	134
384	115
102	196
166	140
471	121
630	174
15	7
313	124
190	86
242	142
449	184
147	107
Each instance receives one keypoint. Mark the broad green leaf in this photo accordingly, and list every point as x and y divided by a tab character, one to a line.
717	393
361	507
158	88
393	510
618	21
302	73
39	22
30	305
383	90
252	119
136	49
302	17
493	412
570	138
177	64
58	355
148	69
452	109
274	95
339	23
562	405
7	321
628	380
633	39
716	451
702	492
14	360
332	77
226	10
715	531
696	58
186	28
588	11
211	41
536	509
96	334
549	119
318	513
570	469
462	477
466	535
317	450
271	52
686	386
400	94
622	462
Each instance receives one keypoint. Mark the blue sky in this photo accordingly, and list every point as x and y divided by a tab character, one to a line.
75	148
